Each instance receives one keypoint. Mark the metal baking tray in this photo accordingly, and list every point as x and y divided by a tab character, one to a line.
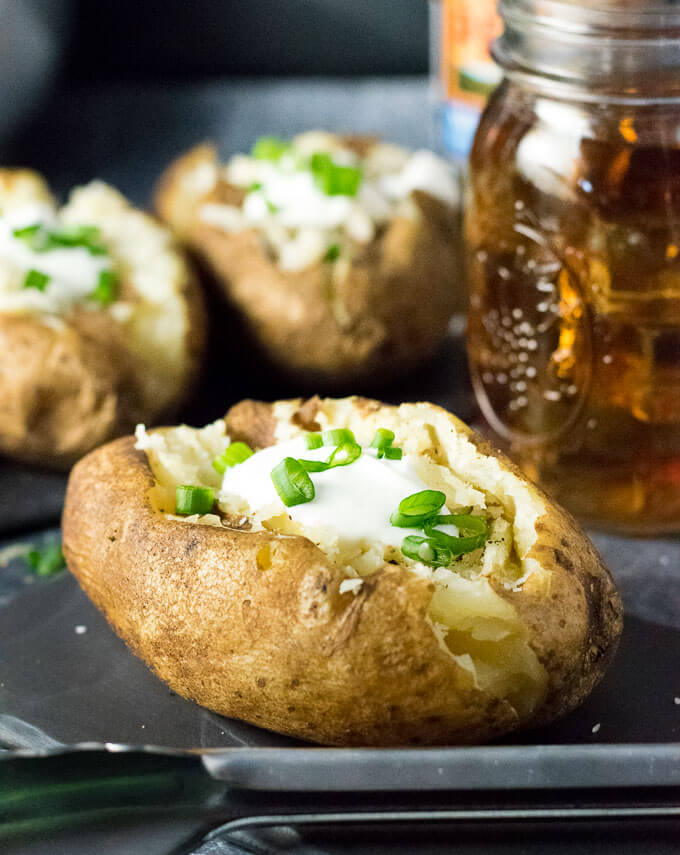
68	683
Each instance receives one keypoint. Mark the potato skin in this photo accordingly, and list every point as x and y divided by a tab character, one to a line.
387	314
253	626
63	390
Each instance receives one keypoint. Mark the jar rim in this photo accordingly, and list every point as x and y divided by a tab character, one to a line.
604	46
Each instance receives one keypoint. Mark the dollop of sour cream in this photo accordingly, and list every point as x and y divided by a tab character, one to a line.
73	271
301	223
354	501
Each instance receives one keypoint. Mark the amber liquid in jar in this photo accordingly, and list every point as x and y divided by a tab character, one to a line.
573	235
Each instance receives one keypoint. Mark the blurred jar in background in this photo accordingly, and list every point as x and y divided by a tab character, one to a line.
461	70
573	245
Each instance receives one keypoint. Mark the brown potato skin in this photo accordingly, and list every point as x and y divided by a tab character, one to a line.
63	391
252	625
387	315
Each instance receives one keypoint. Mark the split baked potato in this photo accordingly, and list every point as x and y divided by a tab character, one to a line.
326	616
101	319
339	254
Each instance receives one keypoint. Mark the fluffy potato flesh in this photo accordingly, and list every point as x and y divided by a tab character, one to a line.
472	611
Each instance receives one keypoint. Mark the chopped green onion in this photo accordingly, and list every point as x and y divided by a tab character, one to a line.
36	279
338	436
314	465
313	440
39	238
269	148
391	453
333	179
383	438
47	560
108	288
256	185
234	454
332	253
424	502
344	454
271	207
27	232
459	545
426	550
193	500
465	522
292	482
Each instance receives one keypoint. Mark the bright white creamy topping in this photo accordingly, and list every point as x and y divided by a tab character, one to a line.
301	222
73	272
354	501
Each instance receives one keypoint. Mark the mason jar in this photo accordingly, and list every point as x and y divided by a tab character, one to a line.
573	253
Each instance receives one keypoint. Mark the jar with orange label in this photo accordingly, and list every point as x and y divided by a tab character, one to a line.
573	244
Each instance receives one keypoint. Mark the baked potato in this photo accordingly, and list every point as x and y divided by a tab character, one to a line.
101	319
339	254
329	617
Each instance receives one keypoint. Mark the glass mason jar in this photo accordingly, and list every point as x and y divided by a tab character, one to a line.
573	250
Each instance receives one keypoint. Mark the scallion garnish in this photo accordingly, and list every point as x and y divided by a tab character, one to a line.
256	185
313	440
333	179
344	454
338	436
391	453
460	545
426	550
423	503
269	148
36	279
234	454
271	207
332	253
383	438
40	238
47	560
108	288
292	482
193	500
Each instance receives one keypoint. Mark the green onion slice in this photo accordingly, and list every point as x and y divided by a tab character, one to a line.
391	453
234	454
338	436
332	253
457	545
36	279
344	454
423	503
465	522
426	550
313	440
193	500
314	465
108	288
333	179
40	238
47	560
292	482
383	438
269	148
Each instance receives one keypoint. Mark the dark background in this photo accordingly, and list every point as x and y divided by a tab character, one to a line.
152	39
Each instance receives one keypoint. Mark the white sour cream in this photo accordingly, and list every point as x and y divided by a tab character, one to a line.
354	501
73	271
288	199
